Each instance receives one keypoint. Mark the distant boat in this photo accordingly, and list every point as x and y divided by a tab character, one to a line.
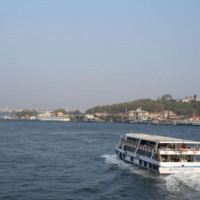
90	118
154	122
183	122
53	117
136	121
196	123
188	122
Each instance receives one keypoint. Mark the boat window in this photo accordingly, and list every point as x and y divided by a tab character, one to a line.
148	143
144	153
125	148
128	148
148	154
163	146
165	158
133	149
190	158
132	159
180	158
156	157
166	145
141	152
133	140
197	158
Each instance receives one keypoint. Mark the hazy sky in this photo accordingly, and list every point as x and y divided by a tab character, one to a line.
81	53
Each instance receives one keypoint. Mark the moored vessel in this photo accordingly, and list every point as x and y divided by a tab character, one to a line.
163	155
53	117
90	118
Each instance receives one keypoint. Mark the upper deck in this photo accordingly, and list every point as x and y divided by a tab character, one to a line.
160	139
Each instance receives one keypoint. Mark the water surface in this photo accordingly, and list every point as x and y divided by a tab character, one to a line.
56	160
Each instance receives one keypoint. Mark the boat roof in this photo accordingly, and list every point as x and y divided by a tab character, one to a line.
160	139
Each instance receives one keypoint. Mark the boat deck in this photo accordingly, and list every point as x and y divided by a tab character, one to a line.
160	139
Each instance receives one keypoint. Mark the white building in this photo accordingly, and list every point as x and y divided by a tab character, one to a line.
167	114
187	99
138	114
198	99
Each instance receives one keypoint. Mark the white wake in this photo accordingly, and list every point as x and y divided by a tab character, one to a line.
182	182
176	183
116	161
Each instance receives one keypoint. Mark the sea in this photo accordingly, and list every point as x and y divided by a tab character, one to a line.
77	161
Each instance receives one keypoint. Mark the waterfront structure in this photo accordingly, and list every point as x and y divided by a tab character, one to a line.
138	114
167	114
164	155
103	114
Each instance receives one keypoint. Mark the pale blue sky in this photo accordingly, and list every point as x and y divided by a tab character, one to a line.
81	53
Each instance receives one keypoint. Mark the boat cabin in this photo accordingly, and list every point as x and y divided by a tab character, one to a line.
159	148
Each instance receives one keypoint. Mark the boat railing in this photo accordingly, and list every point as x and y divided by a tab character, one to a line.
179	149
128	143
160	150
135	145
147	148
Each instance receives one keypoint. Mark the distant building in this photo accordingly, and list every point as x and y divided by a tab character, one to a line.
167	114
8	110
104	114
138	114
187	99
154	115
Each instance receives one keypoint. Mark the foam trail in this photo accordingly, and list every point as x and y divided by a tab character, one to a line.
183	181
115	160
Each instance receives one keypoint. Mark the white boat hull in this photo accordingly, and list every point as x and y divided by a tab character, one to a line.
54	119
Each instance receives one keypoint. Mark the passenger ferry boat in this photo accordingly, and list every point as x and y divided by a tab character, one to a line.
53	117
164	155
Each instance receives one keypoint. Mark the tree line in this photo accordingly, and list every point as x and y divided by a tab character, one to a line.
149	105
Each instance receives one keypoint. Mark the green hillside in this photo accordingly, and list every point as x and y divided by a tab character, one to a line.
180	108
